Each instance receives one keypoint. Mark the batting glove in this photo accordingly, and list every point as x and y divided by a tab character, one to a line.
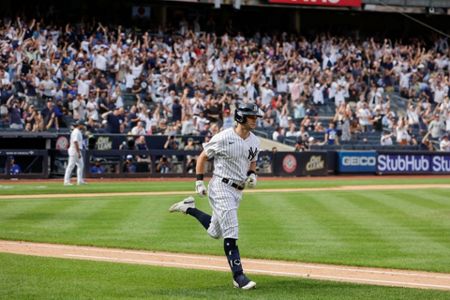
251	180
200	188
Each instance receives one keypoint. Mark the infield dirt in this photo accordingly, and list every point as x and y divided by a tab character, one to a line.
362	275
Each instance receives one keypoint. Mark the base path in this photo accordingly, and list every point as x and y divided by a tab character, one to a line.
363	275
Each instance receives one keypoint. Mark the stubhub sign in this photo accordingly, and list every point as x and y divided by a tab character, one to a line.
357	161
413	163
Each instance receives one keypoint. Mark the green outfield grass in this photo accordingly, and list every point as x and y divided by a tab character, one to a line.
54	187
399	229
24	277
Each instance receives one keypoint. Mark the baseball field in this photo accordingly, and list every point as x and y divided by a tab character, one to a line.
385	225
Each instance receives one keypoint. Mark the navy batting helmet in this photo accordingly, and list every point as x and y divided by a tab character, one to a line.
247	109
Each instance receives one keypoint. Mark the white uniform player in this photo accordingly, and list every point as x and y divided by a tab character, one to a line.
232	158
75	155
235	151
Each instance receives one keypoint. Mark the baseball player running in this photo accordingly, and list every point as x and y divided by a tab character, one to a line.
75	156
235	151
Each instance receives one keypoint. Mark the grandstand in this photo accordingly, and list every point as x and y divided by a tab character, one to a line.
178	70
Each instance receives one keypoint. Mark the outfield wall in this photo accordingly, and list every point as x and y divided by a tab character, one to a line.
44	155
174	163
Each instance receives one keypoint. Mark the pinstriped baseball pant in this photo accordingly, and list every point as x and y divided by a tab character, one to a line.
224	201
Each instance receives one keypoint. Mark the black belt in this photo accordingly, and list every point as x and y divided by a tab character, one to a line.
231	183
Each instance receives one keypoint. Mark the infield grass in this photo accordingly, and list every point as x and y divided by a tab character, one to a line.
407	229
26	277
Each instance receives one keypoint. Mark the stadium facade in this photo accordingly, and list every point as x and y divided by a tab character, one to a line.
248	16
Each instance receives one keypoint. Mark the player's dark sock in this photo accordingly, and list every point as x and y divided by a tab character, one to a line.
202	217
233	256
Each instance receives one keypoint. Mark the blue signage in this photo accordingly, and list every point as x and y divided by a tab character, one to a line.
357	161
413	163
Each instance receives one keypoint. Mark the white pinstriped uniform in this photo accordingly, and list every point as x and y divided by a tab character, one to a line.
232	157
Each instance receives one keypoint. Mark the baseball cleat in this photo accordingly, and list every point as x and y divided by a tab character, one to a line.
182	206
243	282
67	184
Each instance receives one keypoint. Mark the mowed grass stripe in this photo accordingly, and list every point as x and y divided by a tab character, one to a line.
145	222
420	206
16	210
364	243
418	201
257	219
440	197
273	220
57	227
63	215
398	246
397	223
431	233
98	187
99	228
40	213
144	219
86	208
285	222
4	204
39	221
420	249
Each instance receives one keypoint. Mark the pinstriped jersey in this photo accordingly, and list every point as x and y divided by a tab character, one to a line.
232	154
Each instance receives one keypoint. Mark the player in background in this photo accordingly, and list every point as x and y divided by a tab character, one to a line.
235	151
75	155
14	167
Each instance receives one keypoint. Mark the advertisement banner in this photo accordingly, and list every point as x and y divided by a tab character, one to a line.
357	161
313	164
413	163
285	163
300	163
349	3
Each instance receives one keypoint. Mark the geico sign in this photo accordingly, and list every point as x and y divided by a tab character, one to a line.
354	161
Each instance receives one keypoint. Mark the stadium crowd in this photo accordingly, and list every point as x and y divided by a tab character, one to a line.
186	82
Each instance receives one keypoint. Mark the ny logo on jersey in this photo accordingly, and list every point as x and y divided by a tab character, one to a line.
252	153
